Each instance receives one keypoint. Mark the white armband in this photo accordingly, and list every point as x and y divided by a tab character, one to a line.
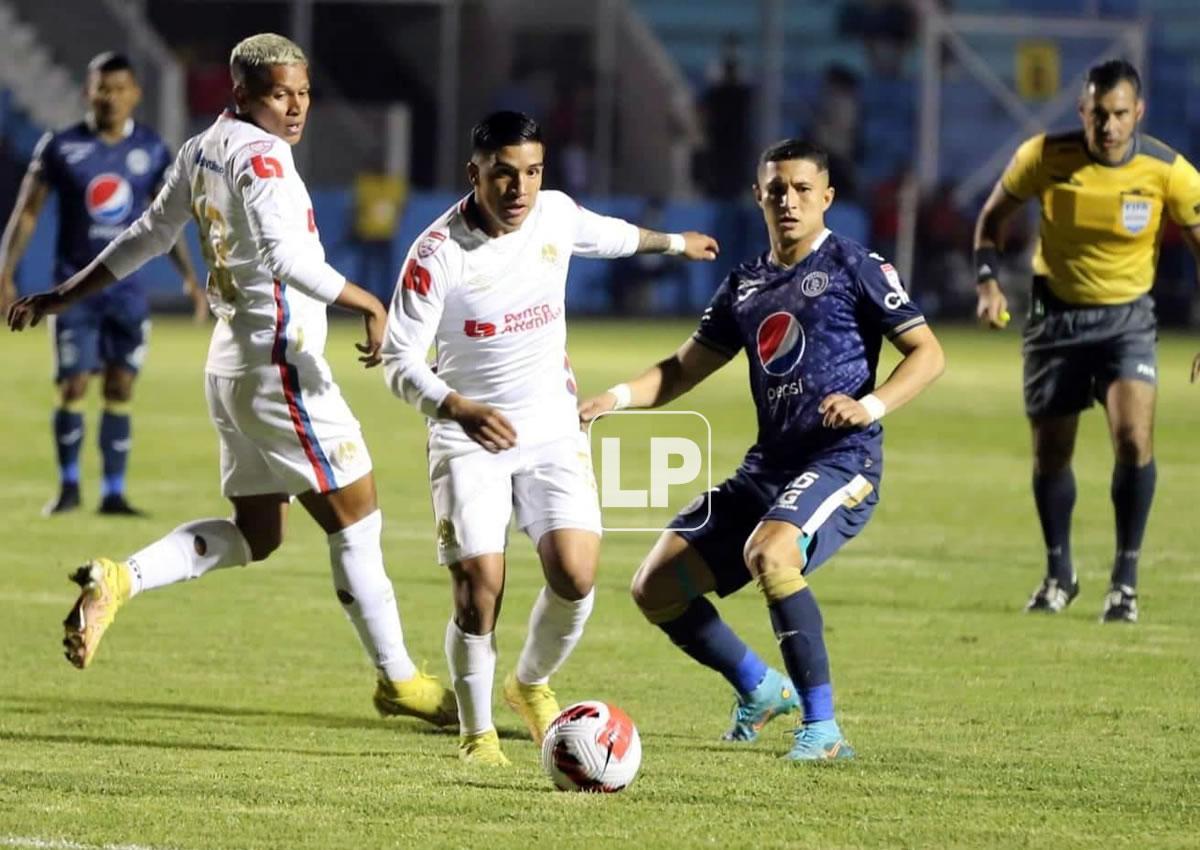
623	395
874	405
677	244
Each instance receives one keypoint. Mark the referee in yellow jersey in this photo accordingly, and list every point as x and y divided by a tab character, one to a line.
1104	194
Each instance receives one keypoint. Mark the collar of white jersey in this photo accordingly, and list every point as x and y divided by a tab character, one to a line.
819	241
90	119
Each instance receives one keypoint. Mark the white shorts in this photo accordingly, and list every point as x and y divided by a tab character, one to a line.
475	495
280	433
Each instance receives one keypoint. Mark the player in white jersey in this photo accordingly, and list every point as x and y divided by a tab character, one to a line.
486	283
284	429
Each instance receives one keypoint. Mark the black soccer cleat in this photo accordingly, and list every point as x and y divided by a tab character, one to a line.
1120	605
115	505
68	500
1052	597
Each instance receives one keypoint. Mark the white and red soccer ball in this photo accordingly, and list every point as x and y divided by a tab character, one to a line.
592	746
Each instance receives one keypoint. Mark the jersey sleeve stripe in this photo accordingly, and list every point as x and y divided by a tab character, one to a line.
914	322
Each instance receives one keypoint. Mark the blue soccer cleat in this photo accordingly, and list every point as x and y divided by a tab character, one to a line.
773	696
819	741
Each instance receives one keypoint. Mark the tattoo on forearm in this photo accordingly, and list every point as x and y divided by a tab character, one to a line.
652	242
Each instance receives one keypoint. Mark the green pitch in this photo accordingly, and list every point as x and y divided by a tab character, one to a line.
235	712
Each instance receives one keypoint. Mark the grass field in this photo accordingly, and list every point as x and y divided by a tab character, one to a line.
234	712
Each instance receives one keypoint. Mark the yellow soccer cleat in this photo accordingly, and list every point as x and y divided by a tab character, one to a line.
482	748
106	586
536	704
422	696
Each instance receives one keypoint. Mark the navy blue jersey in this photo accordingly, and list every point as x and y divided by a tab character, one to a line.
102	188
808	331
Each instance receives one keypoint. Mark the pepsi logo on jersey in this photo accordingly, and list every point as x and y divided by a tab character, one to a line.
780	343
109	199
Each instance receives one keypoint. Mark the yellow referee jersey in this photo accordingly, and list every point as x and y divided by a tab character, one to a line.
1101	223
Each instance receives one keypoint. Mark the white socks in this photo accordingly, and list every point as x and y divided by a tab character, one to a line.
188	552
367	595
472	662
555	627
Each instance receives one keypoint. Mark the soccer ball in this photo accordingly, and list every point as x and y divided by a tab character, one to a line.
592	746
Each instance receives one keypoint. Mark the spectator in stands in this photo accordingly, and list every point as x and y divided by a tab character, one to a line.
207	84
726	111
887	28
836	128
942	264
571	129
635	279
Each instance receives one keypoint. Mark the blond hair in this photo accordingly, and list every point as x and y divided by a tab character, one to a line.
252	57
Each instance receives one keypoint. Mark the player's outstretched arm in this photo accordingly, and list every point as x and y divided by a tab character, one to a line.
28	311
357	300
152	234
693	245
605	236
923	363
18	232
992	307
661	384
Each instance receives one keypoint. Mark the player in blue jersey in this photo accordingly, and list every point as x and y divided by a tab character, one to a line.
810	314
105	170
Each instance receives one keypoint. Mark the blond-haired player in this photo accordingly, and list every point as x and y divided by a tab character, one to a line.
284	429
486	283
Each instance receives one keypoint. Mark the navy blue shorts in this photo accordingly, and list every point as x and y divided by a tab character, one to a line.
830	499
105	330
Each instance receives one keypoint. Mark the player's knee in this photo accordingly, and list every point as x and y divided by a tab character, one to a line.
477	579
118	387
658	602
1133	444
478	586
476	613
778	574
573	585
262	542
72	389
1052	457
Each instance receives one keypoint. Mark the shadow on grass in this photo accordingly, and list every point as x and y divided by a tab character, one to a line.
165	710
205	746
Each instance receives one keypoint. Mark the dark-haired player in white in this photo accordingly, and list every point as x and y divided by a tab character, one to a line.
486	283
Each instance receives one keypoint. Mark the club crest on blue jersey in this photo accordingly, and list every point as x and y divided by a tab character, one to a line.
780	343
814	284
109	198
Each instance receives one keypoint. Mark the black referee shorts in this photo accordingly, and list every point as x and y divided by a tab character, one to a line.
1072	353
